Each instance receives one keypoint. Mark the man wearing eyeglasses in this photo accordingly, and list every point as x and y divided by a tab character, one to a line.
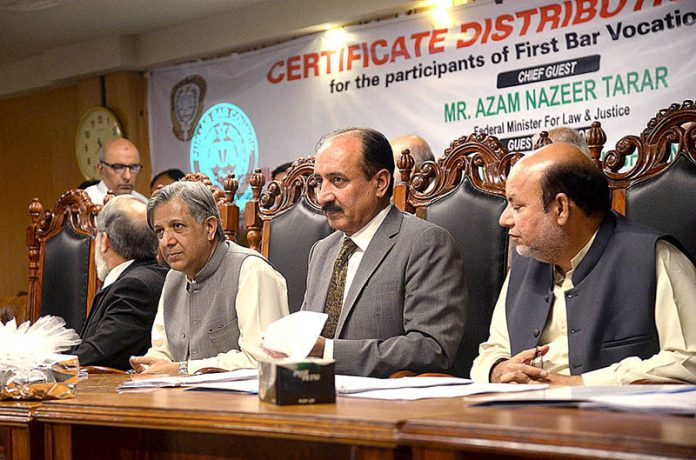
119	165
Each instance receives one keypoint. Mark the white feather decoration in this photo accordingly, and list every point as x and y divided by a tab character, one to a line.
28	345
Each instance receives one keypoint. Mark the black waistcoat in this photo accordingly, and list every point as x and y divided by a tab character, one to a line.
610	310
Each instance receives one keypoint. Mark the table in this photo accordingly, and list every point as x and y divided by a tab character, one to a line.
100	423
166	423
20	438
543	432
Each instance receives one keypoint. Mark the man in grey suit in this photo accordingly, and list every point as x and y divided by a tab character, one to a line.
392	284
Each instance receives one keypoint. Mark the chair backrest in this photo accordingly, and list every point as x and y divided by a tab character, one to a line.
659	189
229	211
464	192
62	273
285	221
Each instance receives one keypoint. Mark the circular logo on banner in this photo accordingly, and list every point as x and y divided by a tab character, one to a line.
225	142
186	105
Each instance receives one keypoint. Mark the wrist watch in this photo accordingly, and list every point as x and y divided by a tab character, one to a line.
183	368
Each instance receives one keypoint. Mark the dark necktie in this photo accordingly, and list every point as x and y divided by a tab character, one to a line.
334	297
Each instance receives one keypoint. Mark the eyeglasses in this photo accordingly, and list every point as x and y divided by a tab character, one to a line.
120	167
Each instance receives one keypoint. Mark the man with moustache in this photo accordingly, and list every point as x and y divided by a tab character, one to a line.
118	168
392	284
591	298
120	320
218	296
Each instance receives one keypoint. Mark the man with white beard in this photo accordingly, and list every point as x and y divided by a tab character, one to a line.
123	310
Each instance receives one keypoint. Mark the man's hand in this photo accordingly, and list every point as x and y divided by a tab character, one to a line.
558	379
149	365
318	348
518	369
275	354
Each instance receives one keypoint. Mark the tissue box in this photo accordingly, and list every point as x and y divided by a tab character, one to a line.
307	381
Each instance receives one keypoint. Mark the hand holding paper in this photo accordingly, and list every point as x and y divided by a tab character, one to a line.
293	335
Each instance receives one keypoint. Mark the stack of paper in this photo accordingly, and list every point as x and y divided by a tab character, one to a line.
407	388
412	388
679	400
656	399
142	382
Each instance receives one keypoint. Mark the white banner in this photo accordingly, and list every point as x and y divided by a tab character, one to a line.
511	70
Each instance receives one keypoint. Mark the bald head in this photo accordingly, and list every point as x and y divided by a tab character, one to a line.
564	168
418	147
119	165
554	154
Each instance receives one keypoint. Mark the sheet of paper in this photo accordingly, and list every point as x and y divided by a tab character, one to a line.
352	384
449	391
571	395
295	334
140	382
408	388
679	401
239	386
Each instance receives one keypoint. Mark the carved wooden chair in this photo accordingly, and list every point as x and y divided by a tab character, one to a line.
229	211
62	273
659	189
285	221
464	192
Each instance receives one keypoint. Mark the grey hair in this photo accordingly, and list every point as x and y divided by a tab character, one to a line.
198	199
129	235
102	152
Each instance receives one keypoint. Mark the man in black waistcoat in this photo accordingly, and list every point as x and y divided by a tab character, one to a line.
120	320
591	298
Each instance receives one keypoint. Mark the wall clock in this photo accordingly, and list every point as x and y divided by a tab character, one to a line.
96	127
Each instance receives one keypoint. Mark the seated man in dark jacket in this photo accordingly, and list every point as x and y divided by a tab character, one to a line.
123	310
591	298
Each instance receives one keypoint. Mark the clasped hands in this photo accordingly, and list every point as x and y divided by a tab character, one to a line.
519	369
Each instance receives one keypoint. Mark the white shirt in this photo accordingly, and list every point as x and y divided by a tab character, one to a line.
98	192
675	318
115	272
261	299
362	239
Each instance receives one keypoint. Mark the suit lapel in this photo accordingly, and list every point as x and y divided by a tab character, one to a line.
377	250
102	293
96	307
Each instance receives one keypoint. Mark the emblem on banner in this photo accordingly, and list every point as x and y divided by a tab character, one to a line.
186	105
225	142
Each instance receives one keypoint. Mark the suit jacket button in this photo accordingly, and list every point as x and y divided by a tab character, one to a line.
536	332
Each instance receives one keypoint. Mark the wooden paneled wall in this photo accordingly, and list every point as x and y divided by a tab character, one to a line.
37	138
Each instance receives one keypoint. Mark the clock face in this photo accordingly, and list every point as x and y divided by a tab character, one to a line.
98	126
